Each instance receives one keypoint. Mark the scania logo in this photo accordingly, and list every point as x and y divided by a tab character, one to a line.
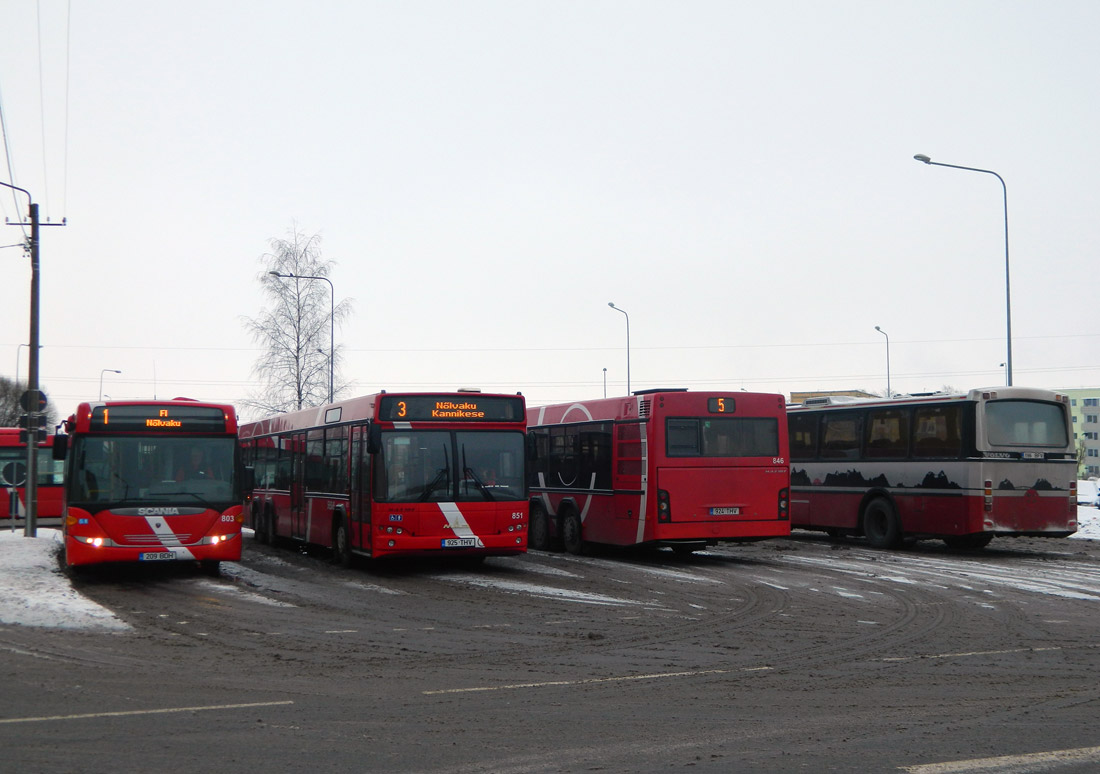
158	511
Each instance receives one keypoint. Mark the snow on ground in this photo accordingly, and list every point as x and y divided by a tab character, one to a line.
34	591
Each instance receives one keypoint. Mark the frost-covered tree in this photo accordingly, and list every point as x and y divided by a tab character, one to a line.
293	371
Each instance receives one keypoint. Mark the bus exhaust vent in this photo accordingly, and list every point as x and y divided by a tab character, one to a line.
643	408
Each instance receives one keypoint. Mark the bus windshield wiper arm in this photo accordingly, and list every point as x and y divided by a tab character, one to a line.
469	473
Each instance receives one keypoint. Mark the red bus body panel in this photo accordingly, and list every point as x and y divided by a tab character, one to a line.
377	529
710	498
13	497
982	489
175	530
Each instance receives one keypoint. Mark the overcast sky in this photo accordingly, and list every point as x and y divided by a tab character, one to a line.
487	176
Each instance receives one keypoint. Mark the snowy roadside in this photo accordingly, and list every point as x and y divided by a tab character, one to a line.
34	591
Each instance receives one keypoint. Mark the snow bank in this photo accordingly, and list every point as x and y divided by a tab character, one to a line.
34	591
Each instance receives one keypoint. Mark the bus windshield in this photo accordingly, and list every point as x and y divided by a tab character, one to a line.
1025	423
116	470
450	466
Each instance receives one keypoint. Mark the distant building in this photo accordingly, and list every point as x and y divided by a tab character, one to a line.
800	397
1085	406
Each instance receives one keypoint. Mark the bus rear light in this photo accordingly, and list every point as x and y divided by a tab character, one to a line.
784	504
664	506
988	492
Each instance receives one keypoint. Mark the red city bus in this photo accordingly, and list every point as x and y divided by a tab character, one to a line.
394	474
662	467
962	468
152	481
13	478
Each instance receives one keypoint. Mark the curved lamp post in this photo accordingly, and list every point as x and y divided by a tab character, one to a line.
884	333
617	309
331	319
1008	292
105	371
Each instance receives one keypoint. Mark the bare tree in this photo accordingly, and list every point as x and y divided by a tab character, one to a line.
294	330
11	411
9	402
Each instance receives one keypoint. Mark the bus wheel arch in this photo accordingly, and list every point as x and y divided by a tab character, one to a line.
881	523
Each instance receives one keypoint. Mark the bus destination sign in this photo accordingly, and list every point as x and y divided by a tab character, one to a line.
161	418
721	405
450	408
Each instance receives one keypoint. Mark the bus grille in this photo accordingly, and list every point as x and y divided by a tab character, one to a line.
155	540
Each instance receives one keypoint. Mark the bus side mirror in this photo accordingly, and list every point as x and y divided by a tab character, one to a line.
60	446
374	439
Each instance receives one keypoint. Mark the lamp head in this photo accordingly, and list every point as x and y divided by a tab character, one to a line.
922	158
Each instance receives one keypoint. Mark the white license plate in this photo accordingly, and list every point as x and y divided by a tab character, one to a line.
156	556
460	542
725	511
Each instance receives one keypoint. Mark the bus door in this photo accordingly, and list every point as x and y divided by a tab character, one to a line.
297	486
360	487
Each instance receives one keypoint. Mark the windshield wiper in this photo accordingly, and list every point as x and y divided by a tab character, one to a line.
470	474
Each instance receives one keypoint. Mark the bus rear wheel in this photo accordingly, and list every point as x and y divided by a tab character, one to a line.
881	525
538	534
571	532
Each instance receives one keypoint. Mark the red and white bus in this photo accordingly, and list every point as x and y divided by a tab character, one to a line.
962	468
394	474
13	479
152	481
676	468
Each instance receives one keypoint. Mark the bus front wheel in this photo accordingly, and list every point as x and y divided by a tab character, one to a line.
881	525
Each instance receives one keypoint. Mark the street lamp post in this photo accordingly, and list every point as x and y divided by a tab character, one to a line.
17	348
617	309
105	371
605	382
880	330
331	320
1008	289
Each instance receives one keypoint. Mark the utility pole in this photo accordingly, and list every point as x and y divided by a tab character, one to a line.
33	400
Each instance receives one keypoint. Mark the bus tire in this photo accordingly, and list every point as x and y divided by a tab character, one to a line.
881	525
341	542
211	567
260	527
538	533
571	532
973	542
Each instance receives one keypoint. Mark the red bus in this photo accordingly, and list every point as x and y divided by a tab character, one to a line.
663	467
394	474
13	478
961	468
152	481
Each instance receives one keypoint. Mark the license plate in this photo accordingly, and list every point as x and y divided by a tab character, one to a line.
460	542
725	511
156	556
